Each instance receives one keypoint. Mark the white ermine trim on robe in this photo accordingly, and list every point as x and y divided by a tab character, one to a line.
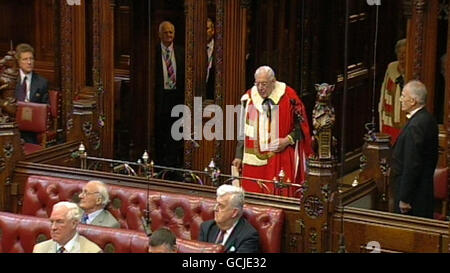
253	160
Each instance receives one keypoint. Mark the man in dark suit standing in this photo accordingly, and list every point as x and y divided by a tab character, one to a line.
169	91
210	70
229	228
30	86
415	154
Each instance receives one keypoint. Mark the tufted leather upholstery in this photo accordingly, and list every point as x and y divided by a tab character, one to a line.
441	191
183	214
19	234
190	246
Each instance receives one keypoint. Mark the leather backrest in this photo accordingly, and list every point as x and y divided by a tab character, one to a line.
183	214
54	100
32	117
191	246
441	183
19	233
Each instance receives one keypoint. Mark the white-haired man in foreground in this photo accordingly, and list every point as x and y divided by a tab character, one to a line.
64	236
229	228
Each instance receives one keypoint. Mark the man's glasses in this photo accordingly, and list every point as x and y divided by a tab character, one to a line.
87	193
262	84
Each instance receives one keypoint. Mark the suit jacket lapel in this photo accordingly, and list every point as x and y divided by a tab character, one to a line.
213	233
52	247
76	246
100	218
231	240
33	86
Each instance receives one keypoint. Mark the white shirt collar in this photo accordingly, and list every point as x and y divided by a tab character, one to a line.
228	232
22	75
410	114
92	215
211	44
70	244
164	48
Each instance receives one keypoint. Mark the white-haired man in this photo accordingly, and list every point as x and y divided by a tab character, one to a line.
169	91
274	134
93	199
64	236
415	155
229	228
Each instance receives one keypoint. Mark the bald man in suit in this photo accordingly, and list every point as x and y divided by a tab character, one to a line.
93	199
169	91
415	155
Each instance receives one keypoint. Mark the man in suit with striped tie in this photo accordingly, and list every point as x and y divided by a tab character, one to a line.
30	87
64	236
169	91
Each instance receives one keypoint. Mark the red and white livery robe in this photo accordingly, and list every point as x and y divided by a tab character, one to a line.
392	119
259	161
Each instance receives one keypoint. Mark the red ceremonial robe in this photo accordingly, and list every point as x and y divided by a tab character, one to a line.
262	164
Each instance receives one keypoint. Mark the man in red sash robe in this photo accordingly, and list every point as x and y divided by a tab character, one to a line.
274	135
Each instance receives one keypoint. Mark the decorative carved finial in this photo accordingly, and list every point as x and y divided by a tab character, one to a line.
81	148
83	156
145	157
8	80
214	172
323	120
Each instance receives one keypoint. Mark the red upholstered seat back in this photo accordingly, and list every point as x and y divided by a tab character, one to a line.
42	192
441	183
32	117
183	214
191	246
113	240
19	234
54	99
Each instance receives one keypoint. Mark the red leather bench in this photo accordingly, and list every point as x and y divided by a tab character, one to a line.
19	234
183	214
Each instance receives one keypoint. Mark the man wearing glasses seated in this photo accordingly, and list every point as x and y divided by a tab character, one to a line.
93	200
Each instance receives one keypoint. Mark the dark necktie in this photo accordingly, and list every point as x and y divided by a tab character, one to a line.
23	90
267	107
219	239
61	250
84	218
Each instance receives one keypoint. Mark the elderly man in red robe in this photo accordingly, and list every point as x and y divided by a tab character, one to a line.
274	135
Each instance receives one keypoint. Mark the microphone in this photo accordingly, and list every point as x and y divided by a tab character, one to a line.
146	226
